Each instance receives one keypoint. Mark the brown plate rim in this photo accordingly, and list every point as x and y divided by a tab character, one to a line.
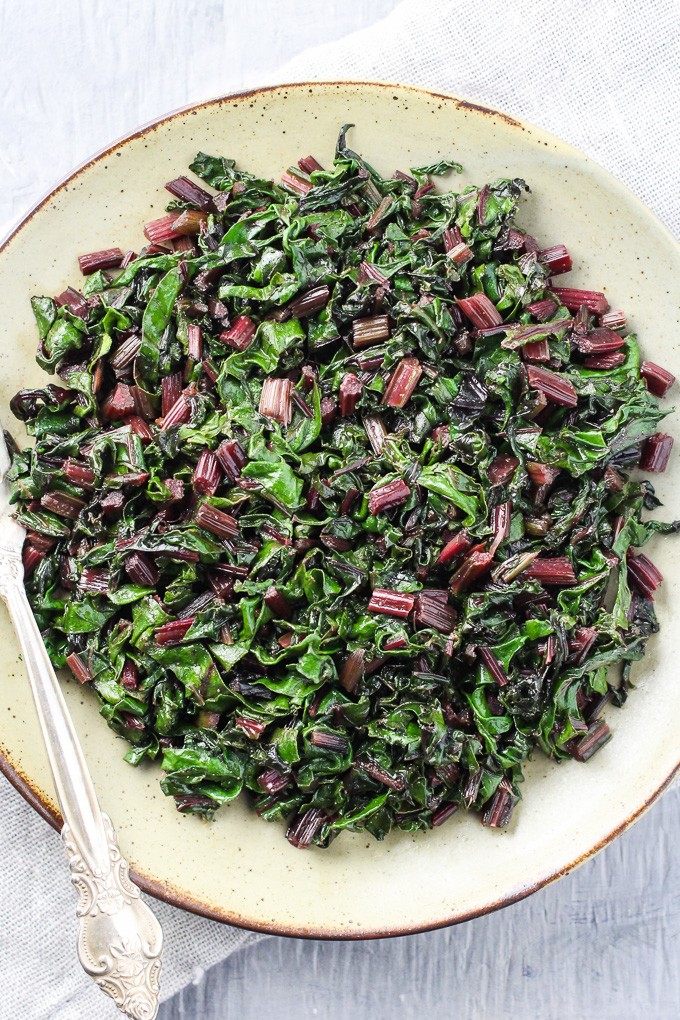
166	891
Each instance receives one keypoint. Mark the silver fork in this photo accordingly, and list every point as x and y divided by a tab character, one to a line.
119	938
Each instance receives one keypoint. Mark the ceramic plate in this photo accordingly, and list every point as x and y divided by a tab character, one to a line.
239	869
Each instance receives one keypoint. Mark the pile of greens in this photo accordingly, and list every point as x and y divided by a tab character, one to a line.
366	591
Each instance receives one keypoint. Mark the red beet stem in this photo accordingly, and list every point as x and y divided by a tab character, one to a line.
493	665
456	546
112	505
480	311
216	521
402	383
580	644
276	400
129	677
556	259
171	391
207	474
423	189
597	736
498	810
140	428
189	223
302	404
329	741
604	362
329	409
175	487
350	391
74	301
194	341
658	379
391	603
432	609
542	310
369	271
571	298
482	203
31	557
308	303
126	353
442	435
186	191
144	405
120	403
184	244
656	452
381	210
474	566
279	606
77	665
141	569
394	644
460	254
381	775
348	500
179	413
352	670
221	583
240	334
232	458
542	474
500	520
502	469
108	258
95	580
42	542
79	474
556	571
174	632
303	830
272	781
296	181
376	433
536	350
162	230
452	237
367	332
556	389
63	504
386	497
134	479
643	574
443	813
616	319
276	535
308	164
598	341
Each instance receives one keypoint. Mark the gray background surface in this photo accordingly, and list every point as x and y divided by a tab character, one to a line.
603	942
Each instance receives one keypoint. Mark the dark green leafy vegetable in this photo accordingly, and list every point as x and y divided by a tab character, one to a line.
332	501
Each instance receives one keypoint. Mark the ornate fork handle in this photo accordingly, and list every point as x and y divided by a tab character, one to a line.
119	938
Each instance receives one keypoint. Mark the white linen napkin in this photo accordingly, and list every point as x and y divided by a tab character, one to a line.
603	77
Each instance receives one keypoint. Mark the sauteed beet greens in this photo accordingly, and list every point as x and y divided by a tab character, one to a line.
332	500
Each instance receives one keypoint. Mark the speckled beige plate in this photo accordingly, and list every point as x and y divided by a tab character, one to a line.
240	869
